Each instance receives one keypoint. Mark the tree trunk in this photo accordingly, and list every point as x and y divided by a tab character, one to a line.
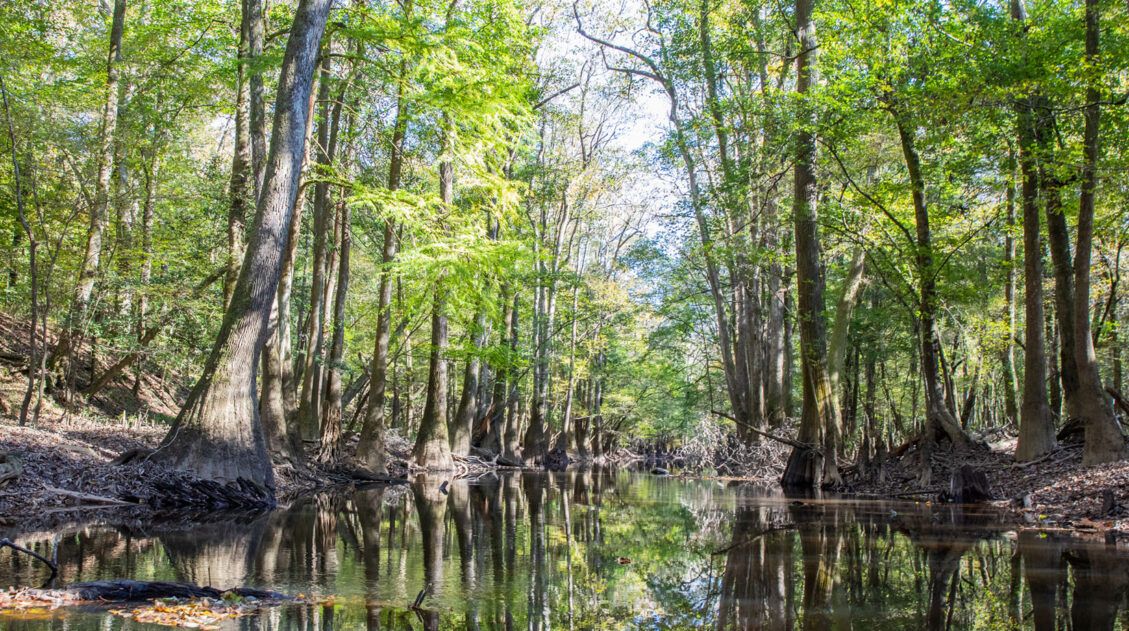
940	418
1007	358
462	425
32	257
282	435
242	185
1058	239
432	450
253	9
71	335
330	451
815	464
370	450
310	399
1036	428
218	434
510	446
1104	441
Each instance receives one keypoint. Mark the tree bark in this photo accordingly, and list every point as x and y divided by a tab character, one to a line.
330	451
242	185
432	449
310	399
218	434
1104	440
819	420
32	258
462	425
1036	428
278	406
940	417
1007	357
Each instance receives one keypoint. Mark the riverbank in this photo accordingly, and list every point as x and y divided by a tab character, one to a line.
1054	491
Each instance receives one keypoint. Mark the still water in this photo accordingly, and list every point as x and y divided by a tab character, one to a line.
603	550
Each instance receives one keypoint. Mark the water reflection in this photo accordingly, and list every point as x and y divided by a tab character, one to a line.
601	550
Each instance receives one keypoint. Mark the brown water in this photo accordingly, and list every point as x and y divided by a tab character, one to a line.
603	550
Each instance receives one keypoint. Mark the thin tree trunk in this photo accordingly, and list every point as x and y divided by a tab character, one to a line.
71	335
432	449
370	450
32	258
1011	379
940	417
330	451
242	184
309	401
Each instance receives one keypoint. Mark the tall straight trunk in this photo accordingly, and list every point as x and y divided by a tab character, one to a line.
462	424
852	287
939	416
432	449
1058	239
510	442
535	443
88	271
242	185
819	420
1036	427
370	449
330	451
253	10
1011	383
280	431
310	399
151	173
32	259
1104	440
748	341
218	434
567	440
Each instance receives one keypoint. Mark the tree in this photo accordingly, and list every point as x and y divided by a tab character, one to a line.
218	434
814	464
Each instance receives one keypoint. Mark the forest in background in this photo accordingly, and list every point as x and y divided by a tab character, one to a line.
457	222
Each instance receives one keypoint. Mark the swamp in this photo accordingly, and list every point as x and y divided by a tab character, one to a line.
584	314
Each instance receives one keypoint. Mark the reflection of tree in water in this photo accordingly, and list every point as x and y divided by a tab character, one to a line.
431	509
1100	579
534	486
219	554
755	590
537	551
